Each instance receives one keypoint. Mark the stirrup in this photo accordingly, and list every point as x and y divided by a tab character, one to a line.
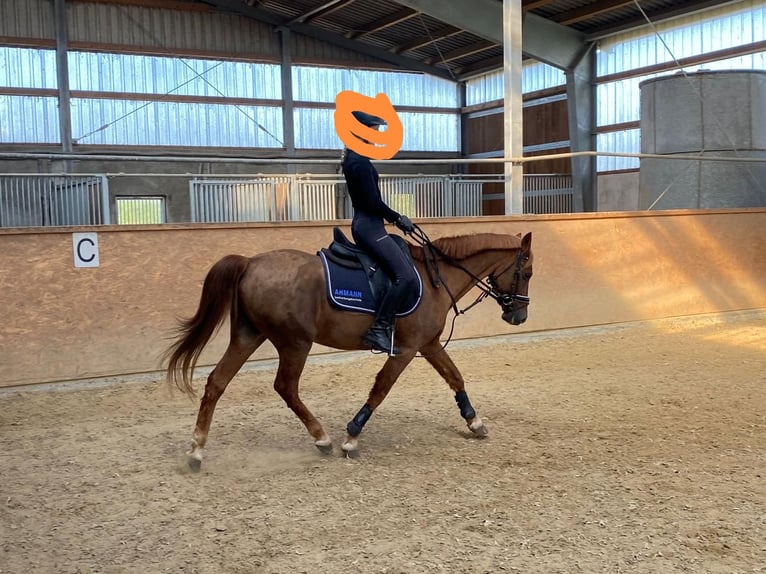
374	340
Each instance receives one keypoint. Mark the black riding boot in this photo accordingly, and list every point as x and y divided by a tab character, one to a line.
381	335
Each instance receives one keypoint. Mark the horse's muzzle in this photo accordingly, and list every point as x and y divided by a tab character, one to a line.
516	317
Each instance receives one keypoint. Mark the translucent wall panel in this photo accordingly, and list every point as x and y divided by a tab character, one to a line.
27	68
431	132
175	124
538	76
162	75
626	141
747	62
313	84
621	101
534	76
314	129
733	25
29	119
485	88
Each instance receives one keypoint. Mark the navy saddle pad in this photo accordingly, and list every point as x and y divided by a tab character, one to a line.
354	280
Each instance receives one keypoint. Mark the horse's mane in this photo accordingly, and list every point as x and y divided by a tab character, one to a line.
463	246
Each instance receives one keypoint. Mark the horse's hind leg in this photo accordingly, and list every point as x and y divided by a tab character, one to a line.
441	361
292	359
239	349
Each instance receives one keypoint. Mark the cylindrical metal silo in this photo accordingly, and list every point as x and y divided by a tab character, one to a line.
711	114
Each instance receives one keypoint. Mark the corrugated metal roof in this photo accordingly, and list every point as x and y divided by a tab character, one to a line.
351	20
372	31
414	27
168	29
347	18
598	19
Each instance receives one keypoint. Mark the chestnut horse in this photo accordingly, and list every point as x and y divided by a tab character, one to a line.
281	296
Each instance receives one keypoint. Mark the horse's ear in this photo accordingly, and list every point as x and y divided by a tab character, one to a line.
526	242
518	235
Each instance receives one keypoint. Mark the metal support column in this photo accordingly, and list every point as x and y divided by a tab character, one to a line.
62	73
581	98
286	71
288	119
512	106
464	140
105	207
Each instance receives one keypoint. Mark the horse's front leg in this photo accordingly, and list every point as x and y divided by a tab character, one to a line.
441	361
384	380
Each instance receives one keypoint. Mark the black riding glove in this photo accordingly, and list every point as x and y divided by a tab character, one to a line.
405	224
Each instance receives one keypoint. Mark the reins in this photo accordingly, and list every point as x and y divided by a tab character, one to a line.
488	288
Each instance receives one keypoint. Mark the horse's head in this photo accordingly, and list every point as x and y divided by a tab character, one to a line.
511	285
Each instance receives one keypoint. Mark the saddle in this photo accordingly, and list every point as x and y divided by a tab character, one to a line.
354	280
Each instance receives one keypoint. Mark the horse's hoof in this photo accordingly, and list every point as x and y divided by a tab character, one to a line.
352	454
325	449
195	464
350	449
479	430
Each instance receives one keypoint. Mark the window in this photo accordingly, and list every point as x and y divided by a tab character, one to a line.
140	210
196	112
433	130
30	117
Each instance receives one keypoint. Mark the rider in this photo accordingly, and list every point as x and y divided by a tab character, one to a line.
368	231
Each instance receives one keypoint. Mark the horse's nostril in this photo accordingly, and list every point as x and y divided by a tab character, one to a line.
515	318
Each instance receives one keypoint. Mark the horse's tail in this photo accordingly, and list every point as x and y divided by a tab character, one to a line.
219	293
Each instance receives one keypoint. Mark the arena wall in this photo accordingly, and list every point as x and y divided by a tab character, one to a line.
63	323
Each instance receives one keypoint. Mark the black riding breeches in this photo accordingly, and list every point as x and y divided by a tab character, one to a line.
370	234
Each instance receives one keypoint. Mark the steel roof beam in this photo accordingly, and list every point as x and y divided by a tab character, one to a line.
550	42
486	65
239	7
655	16
319	11
469	50
416	43
383	23
527	5
591	10
484	18
543	40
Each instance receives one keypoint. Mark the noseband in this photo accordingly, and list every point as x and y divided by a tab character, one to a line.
506	300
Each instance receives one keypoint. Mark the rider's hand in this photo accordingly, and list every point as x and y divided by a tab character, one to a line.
405	224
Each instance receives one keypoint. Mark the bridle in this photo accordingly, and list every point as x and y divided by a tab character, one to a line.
488	287
506	300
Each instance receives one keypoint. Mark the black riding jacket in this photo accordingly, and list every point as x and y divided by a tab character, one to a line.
362	180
